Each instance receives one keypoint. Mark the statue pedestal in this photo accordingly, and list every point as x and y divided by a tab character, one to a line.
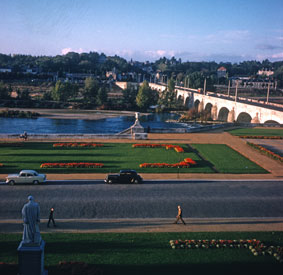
137	131
31	259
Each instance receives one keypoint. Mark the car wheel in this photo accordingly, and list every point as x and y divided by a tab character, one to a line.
35	182
109	181
136	181
11	182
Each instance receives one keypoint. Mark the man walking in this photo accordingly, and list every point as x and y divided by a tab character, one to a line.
179	216
51	217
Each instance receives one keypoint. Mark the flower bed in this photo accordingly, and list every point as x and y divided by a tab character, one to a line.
262	137
182	164
255	246
265	151
177	148
1	164
75	144
72	165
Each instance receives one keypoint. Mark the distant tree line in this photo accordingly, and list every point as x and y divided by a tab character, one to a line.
98	64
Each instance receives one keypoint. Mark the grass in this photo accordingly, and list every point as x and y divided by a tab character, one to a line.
226	160
116	156
257	132
143	253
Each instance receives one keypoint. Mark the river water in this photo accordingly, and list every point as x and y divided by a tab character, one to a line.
114	125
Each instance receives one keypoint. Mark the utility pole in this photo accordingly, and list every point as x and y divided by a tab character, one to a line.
204	87
236	93
268	88
229	88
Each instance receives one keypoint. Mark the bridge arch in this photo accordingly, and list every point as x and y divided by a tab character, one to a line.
271	122
244	117
196	104
223	114
208	107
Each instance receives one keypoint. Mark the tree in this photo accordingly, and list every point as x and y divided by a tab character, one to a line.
4	92
91	90
64	91
146	96
129	97
101	96
24	94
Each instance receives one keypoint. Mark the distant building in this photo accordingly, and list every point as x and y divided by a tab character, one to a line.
265	72
112	74
221	72
77	77
5	70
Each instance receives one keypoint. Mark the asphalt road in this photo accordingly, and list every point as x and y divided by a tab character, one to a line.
153	199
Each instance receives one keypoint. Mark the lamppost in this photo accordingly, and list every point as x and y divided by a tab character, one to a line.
268	88
236	93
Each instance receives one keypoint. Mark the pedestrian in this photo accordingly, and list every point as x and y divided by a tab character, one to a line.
51	218
179	216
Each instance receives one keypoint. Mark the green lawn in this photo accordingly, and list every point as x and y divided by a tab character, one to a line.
257	132
144	253
227	160
115	156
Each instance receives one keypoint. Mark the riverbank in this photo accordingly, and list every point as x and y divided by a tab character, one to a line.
74	114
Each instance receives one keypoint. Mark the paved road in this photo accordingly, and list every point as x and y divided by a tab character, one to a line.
154	199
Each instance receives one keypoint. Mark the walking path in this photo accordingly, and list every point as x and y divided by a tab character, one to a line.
149	225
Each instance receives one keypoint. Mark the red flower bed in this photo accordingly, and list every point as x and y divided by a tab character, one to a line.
182	164
177	148
75	144
265	151
255	246
72	165
262	137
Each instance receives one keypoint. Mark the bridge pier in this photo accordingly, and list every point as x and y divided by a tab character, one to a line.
201	106
214	112
231	116
255	119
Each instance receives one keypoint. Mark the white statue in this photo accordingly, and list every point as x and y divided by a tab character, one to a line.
30	214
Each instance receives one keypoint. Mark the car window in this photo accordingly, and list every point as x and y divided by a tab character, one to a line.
29	175
35	174
22	175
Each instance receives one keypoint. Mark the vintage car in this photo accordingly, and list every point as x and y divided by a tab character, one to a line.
125	176
26	176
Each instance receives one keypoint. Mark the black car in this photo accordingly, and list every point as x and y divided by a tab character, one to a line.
125	176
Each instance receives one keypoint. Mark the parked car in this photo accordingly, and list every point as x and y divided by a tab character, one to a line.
125	176
26	176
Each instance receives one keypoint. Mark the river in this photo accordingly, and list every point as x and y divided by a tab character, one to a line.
43	125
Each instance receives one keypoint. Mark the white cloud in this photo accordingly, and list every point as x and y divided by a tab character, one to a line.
159	53
277	55
228	36
67	50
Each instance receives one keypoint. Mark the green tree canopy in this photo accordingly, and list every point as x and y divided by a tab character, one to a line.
146	96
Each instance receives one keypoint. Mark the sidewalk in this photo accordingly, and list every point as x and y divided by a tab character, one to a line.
149	225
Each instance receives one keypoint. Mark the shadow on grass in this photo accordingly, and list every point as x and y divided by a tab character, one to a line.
234	268
202	162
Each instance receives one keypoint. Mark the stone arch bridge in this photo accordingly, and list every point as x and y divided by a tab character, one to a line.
226	108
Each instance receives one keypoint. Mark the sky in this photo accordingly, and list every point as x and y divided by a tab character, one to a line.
193	30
